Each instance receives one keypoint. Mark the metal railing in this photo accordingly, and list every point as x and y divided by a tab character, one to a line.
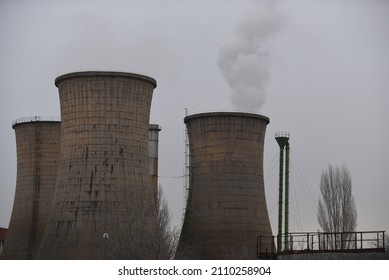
37	119
282	134
318	242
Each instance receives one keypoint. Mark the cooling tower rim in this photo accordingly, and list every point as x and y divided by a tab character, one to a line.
36	119
113	74
226	114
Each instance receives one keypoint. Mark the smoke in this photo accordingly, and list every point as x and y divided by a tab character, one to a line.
244	59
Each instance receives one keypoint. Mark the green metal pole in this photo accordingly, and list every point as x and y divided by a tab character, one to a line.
280	193
286	196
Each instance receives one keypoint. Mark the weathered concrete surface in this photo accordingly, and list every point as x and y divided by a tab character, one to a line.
103	183
38	147
226	208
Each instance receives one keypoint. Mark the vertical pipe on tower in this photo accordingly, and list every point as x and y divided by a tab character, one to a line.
286	196
282	140
280	196
154	130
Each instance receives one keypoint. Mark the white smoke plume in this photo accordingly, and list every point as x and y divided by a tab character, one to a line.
244	59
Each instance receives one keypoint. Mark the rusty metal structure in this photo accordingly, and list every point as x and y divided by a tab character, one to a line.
38	147
355	245
102	196
226	206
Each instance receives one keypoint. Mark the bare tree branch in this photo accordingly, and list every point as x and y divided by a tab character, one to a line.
140	240
336	208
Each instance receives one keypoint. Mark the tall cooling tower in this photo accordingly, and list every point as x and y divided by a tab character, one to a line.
226	206
38	147
103	206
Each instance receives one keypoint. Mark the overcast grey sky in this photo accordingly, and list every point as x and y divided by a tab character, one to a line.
318	69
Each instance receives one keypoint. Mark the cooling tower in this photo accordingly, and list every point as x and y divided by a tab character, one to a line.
103	206
154	130
38	147
226	206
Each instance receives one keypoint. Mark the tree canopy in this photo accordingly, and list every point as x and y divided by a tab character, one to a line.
336	209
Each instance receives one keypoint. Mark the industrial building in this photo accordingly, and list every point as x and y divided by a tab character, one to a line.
38	146
102	195
226	206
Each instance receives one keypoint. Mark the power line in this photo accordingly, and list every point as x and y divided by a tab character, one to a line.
272	165
303	183
270	212
295	205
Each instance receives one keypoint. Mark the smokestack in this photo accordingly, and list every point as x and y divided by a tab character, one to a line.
103	195
38	147
226	208
154	130
282	139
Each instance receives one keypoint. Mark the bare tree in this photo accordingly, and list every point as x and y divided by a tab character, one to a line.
139	239
166	237
243	253
337	214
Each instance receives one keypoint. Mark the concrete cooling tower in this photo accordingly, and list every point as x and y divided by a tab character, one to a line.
226	206
103	206
38	147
